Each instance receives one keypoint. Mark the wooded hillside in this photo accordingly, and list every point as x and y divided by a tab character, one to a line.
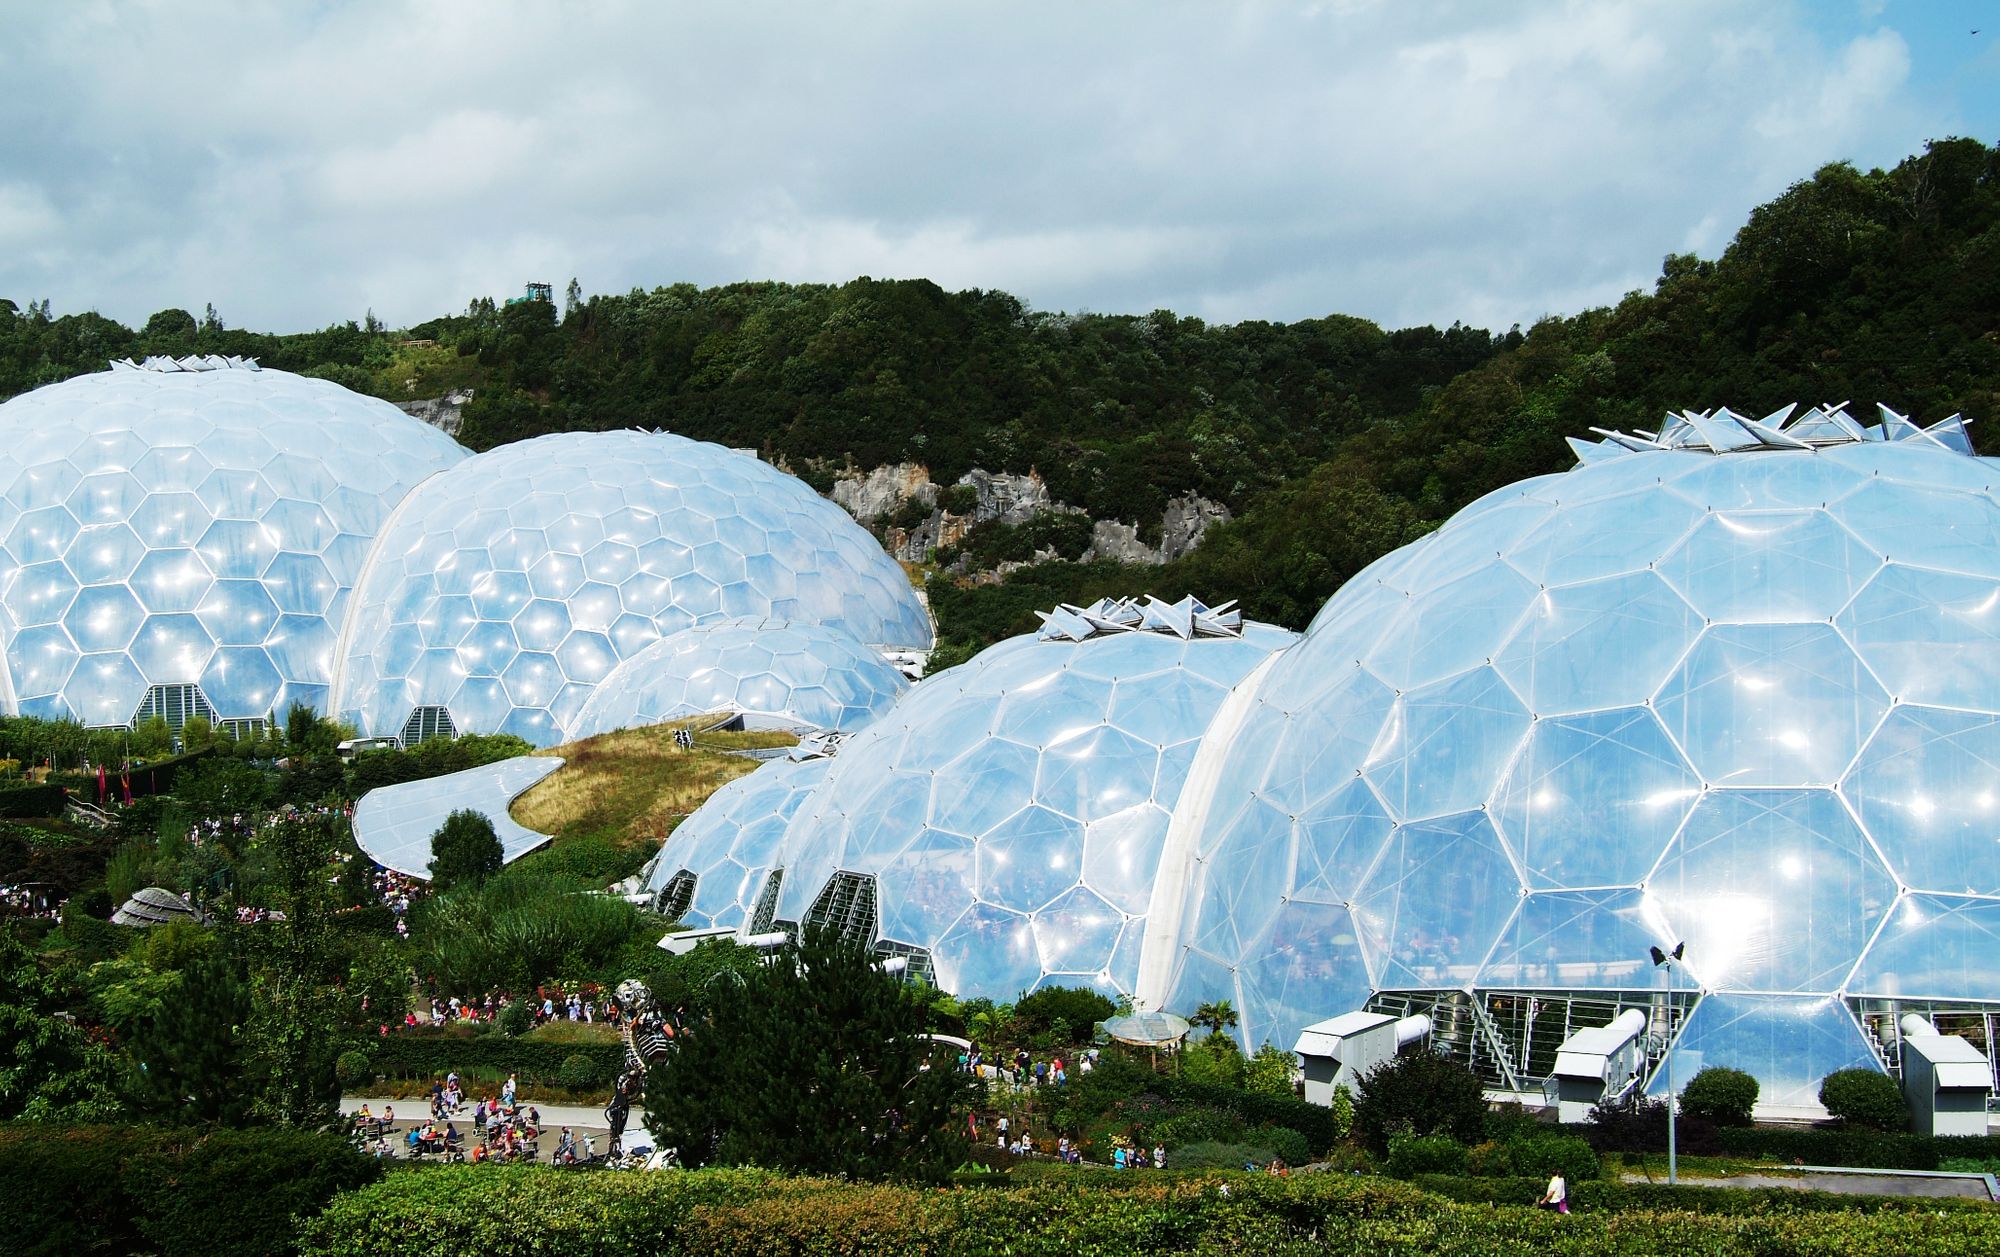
1331	439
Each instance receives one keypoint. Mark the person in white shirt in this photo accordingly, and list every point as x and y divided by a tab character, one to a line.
1556	1196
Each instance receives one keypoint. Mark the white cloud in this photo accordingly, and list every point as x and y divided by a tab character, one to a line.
297	164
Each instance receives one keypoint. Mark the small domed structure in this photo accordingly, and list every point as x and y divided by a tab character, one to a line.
716	868
773	673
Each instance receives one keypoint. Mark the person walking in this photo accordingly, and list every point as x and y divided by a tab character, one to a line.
1556	1195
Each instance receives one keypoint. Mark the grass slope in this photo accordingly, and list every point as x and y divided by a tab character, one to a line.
633	786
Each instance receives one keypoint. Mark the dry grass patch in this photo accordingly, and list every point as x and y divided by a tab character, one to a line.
635	785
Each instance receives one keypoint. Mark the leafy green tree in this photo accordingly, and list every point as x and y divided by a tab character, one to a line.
51	1068
153	738
1215	1061
187	1059
1074	1008
221	786
815	1068
1721	1095
297	1024
1270	1071
1864	1097
1419	1093
465	851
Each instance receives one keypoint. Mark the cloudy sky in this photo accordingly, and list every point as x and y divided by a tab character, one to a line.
299	163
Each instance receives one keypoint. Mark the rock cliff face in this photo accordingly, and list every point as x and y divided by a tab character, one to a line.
909	510
443	413
884	490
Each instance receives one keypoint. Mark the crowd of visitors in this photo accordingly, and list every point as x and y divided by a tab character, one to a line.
1023	1070
32	901
499	1128
588	1003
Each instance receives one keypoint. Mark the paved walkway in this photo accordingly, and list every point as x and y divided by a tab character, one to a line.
1878	1183
413	1112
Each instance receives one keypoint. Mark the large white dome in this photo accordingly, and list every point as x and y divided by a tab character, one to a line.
190	524
508	588
1734	685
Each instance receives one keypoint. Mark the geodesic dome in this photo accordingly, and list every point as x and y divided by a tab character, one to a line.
191	523
509	588
771	671
723	855
1006	818
1736	684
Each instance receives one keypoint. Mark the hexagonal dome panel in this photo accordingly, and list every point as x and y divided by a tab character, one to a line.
1773	890
690	533
771	672
143	486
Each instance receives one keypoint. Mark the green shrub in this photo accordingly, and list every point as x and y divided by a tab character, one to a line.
1721	1095
464	851
353	1069
1198	1124
516	1018
1411	1155
1538	1156
1489	1160
1078	1007
1864	1097
1289	1145
1313	1121
579	1072
1213	1061
1608	1196
33	801
427	1054
1063	1213
1852	1145
1420	1093
119	1189
1211	1154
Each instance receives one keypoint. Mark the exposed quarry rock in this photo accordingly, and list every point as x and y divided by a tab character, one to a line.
884	490
1181	526
1186	518
443	413
1007	498
1116	539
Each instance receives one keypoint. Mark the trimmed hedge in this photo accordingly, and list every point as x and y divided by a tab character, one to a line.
1606	1196
1314	1121
1868	1149
29	802
141	1189
486	1209
423	1054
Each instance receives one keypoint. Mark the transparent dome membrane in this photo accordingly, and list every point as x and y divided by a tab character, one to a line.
191	525
1733	690
547	563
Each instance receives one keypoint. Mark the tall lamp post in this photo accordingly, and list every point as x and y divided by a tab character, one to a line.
1667	961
